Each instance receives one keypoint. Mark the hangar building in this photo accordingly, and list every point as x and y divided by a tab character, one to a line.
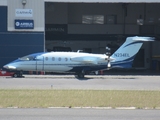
29	26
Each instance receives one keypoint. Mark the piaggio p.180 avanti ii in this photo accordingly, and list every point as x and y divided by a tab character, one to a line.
77	62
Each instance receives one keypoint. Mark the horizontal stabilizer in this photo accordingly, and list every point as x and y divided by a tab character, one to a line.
136	38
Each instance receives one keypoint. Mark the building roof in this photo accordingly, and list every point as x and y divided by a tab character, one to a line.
106	1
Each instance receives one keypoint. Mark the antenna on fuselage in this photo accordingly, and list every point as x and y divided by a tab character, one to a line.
78	51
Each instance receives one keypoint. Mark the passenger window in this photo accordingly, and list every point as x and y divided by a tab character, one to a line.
53	59
46	58
66	59
59	59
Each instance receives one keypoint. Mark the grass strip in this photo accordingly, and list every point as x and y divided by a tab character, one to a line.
78	98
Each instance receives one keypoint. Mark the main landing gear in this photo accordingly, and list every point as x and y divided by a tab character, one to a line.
18	74
80	75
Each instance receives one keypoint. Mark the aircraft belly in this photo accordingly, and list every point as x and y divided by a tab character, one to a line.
88	68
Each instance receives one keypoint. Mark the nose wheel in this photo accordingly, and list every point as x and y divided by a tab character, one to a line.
18	74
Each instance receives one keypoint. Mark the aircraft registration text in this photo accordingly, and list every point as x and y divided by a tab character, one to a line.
121	55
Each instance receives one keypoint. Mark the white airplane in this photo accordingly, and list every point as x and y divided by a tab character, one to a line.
77	62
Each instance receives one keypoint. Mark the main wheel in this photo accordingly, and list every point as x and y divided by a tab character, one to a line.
80	75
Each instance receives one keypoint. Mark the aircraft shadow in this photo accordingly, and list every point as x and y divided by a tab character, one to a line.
83	79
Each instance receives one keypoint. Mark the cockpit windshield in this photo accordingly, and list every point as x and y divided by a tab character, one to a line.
30	57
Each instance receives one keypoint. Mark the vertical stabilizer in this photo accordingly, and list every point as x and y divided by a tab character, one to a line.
125	55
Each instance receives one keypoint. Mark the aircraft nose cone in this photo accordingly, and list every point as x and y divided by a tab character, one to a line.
5	66
9	67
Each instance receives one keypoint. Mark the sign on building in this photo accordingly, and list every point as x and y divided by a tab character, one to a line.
24	13
56	28
24	24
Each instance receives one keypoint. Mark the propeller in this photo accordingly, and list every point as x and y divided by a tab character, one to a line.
108	53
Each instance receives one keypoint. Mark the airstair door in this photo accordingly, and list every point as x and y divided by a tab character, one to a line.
40	64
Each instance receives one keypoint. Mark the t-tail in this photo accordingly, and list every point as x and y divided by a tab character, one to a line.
124	56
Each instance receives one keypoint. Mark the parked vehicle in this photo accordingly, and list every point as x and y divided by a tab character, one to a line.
6	73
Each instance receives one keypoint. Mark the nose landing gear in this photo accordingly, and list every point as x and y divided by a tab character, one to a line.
18	74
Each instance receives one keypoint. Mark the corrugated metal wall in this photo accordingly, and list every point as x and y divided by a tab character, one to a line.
3	2
15	45
37	7
3	23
